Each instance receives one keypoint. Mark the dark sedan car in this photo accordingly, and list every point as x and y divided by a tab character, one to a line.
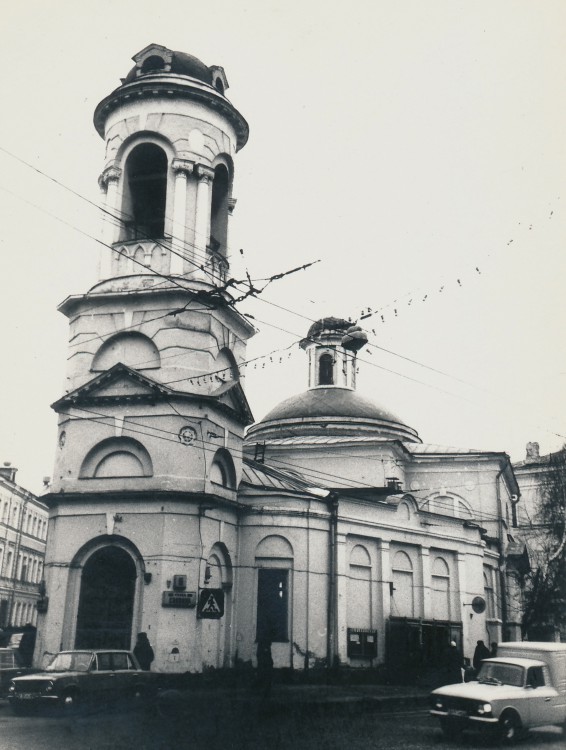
74	678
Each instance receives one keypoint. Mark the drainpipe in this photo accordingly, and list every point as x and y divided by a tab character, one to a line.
331	646
502	563
17	547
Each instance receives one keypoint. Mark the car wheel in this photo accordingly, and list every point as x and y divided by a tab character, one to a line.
451	730
509	728
69	703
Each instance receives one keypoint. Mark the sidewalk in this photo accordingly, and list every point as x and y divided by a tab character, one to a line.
308	698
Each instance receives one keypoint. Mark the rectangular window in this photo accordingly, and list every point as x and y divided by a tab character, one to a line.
273	604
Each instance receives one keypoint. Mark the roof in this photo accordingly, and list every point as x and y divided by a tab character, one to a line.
260	475
432	448
181	64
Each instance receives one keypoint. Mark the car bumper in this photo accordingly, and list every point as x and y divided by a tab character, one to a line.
32	700
464	718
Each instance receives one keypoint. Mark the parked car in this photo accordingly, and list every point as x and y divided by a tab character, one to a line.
10	667
87	676
524	687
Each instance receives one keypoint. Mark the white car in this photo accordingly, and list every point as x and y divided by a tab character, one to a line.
524	687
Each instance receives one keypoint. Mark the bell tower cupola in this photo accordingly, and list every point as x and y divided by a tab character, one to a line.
331	345
171	135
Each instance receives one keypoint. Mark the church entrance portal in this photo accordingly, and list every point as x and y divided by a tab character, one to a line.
106	600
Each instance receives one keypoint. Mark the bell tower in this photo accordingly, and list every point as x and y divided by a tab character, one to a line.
151	424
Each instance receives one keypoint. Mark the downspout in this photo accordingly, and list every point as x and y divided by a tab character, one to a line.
17	547
502	563
331	646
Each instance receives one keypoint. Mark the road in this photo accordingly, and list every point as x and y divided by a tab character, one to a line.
241	728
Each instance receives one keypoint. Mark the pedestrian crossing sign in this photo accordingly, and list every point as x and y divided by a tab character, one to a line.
211	604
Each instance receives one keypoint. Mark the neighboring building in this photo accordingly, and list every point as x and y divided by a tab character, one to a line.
339	534
536	475
23	531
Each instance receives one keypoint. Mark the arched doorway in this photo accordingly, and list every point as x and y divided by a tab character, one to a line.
106	600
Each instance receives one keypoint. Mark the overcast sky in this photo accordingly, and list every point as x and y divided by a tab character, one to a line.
416	149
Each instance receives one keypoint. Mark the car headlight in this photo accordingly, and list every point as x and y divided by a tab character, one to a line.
12	688
484	708
438	703
49	687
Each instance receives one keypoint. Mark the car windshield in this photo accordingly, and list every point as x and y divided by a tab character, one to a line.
501	674
71	661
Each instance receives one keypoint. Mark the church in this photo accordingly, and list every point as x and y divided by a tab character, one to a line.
329	527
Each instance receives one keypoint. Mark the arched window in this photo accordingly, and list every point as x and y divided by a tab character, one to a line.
152	64
145	193
489	593
326	370
132	349
117	457
440	589
219	210
403	599
359	588
222	471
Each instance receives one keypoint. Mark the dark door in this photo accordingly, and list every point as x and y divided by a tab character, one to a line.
106	600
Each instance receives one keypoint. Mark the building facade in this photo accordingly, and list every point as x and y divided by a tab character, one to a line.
542	481
23	532
330	528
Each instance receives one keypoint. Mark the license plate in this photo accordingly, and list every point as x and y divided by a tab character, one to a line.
26	696
456	712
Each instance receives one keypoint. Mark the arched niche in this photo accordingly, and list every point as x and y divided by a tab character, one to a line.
132	349
360	556
117	457
222	470
274	546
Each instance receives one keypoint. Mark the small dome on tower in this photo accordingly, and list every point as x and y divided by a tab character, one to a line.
156	59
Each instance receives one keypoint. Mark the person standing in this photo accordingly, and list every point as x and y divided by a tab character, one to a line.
143	652
264	666
482	652
453	664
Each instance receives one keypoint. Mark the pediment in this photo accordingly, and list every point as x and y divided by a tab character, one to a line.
232	395
119	382
122	383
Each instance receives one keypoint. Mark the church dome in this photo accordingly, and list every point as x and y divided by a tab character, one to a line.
331	411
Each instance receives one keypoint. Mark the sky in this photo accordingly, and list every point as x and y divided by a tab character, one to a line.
415	150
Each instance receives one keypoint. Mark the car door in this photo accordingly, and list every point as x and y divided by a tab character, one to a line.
102	685
543	700
123	675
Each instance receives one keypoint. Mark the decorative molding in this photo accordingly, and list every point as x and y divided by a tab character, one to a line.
204	173
111	173
183	166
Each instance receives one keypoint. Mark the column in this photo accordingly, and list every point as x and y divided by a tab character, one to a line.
428	614
108	182
205	176
231	206
384	594
182	170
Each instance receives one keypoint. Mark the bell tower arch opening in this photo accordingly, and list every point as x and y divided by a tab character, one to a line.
145	193
219	210
106	602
